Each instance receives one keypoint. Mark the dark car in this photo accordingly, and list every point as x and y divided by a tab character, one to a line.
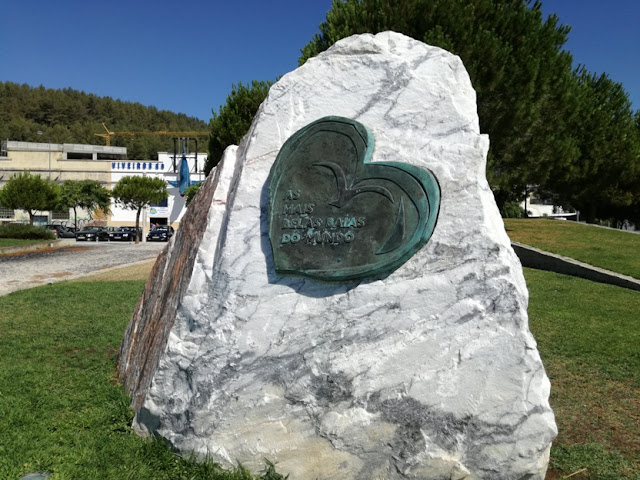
124	234
61	231
160	234
93	234
66	232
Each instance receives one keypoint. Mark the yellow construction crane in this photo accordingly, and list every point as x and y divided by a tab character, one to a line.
107	136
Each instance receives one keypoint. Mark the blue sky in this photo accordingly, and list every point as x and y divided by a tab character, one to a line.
184	56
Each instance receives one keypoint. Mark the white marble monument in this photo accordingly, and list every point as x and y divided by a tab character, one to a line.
429	372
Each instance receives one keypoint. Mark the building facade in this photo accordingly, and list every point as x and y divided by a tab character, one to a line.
169	212
105	164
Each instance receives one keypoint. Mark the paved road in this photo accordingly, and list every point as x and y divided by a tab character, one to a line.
74	259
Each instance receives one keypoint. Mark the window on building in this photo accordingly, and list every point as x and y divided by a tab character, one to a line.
6	212
60	215
164	203
109	156
79	156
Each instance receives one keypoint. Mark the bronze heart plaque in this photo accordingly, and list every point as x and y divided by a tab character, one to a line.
334	215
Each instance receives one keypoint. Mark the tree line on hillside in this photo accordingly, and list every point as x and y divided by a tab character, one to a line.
71	116
561	131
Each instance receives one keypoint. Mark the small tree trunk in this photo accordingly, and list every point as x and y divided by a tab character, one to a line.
31	216
137	224
75	219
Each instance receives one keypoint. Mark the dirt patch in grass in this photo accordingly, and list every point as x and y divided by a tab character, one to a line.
39	278
44	251
138	271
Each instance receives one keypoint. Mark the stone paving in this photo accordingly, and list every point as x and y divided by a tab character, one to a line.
70	259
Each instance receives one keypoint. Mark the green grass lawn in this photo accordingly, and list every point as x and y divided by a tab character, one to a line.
611	249
589	339
12	242
62	411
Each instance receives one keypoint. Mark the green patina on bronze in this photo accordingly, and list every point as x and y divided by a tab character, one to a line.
334	215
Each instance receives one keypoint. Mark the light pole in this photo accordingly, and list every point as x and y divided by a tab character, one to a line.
40	132
144	221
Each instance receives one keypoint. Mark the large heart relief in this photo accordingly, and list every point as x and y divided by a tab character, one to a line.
335	216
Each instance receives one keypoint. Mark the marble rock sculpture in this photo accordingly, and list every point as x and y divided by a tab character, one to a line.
428	371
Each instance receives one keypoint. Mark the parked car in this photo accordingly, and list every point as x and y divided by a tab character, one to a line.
160	234
66	232
93	234
125	234
61	231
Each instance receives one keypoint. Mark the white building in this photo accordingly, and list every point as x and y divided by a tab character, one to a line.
169	212
537	207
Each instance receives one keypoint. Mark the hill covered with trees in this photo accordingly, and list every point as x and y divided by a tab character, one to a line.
72	116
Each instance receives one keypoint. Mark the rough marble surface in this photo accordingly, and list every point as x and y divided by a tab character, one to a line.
146	336
429	373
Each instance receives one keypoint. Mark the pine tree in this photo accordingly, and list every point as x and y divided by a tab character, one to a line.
605	180
523	79
234	118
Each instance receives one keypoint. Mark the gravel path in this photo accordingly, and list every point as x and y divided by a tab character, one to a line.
73	259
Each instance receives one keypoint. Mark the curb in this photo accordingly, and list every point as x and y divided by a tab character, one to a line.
539	259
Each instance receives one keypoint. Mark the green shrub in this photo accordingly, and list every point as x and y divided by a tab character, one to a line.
25	232
512	210
190	192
